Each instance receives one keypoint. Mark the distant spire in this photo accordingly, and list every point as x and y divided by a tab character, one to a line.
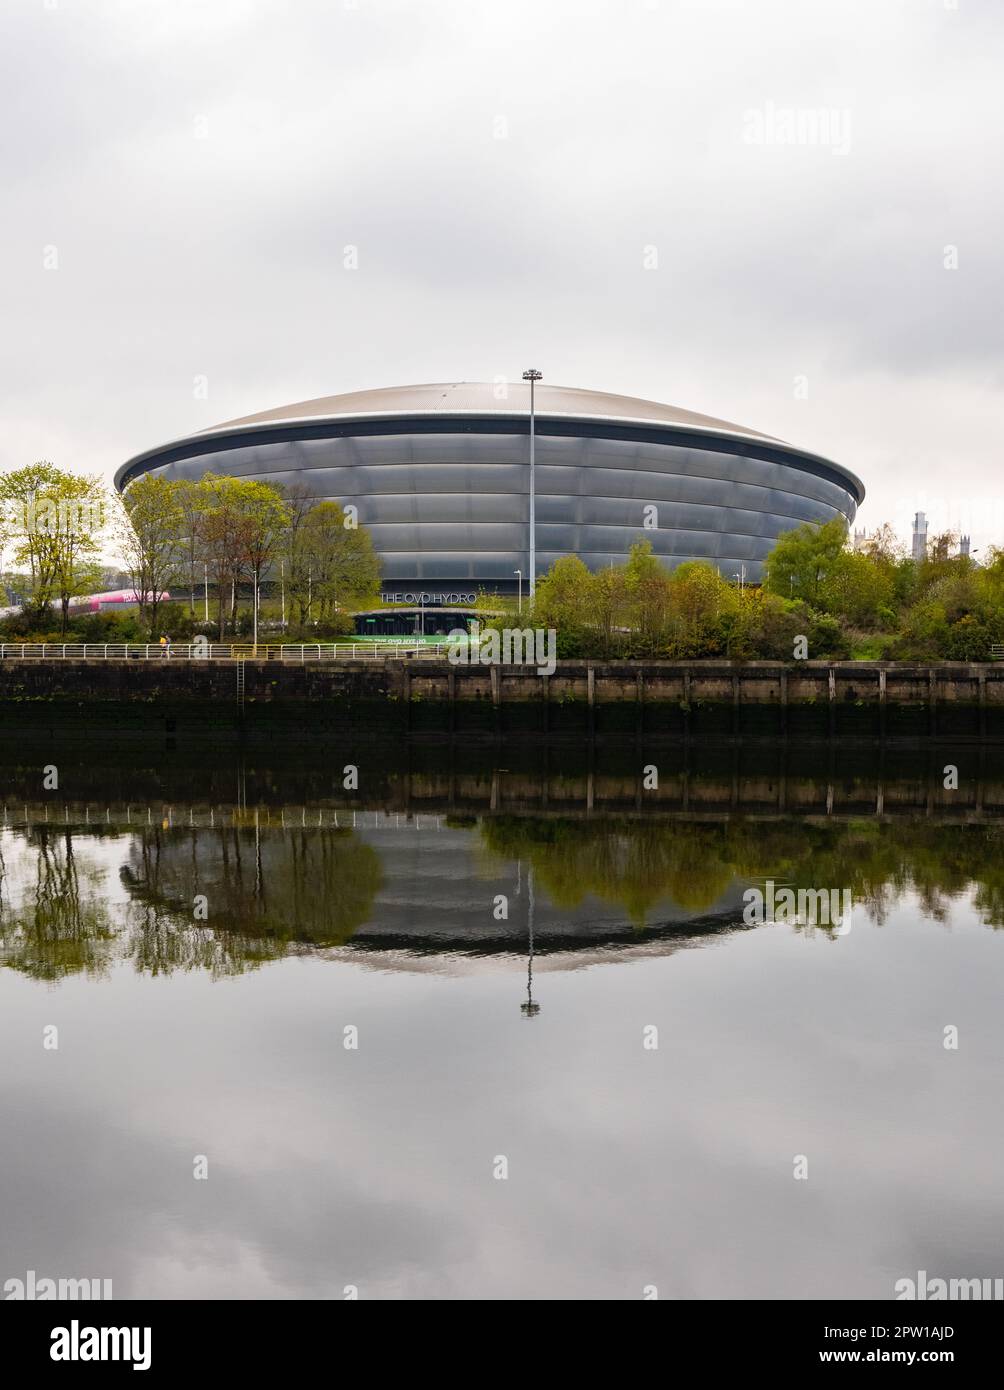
919	536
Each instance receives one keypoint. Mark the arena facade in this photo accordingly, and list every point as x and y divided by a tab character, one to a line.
440	477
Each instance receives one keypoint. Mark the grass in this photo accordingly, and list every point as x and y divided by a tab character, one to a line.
870	646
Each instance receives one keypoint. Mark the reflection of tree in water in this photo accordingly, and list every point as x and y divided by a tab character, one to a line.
54	919
632	864
270	892
266	893
635	864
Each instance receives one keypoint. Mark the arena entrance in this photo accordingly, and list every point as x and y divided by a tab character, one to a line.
424	620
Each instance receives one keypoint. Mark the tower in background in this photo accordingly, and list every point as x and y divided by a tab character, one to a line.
919	536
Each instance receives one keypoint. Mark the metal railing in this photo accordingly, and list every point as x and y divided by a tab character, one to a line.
295	652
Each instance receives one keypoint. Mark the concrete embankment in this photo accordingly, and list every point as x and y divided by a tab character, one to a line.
704	699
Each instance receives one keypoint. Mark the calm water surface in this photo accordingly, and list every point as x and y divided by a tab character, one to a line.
502	949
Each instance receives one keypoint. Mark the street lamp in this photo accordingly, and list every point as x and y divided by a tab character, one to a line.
532	376
519	576
254	609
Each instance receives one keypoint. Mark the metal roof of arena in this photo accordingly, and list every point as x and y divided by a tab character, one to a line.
488	398
480	400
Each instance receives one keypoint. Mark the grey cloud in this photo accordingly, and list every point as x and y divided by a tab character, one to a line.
375	127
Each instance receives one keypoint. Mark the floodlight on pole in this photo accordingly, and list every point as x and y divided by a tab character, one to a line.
532	376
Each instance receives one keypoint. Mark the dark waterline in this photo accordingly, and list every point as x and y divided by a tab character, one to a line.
504	927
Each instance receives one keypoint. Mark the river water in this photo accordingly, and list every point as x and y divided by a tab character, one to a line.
499	1030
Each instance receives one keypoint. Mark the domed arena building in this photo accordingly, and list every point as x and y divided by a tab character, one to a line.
440	477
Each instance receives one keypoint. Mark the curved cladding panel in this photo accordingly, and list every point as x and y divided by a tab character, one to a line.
452	504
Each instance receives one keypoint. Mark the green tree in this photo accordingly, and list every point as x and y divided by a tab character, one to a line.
803	559
75	531
648	592
153	541
704	608
267	517
56	520
563	602
225	535
333	564
23	493
857	588
192	499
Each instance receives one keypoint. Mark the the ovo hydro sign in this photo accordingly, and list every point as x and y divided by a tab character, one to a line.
423	597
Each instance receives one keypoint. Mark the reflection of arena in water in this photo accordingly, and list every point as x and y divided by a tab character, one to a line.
226	899
436	890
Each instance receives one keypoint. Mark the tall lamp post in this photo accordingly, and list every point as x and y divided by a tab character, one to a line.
532	376
519	576
254	608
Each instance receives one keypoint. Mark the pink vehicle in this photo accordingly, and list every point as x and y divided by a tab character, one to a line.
95	603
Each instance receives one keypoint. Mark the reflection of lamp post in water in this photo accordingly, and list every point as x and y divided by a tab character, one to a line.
531	1007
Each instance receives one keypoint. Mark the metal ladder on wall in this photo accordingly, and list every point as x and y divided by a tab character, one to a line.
240	685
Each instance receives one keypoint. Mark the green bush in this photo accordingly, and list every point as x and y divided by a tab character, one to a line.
108	626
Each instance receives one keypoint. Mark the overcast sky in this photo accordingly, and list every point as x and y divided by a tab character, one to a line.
604	189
